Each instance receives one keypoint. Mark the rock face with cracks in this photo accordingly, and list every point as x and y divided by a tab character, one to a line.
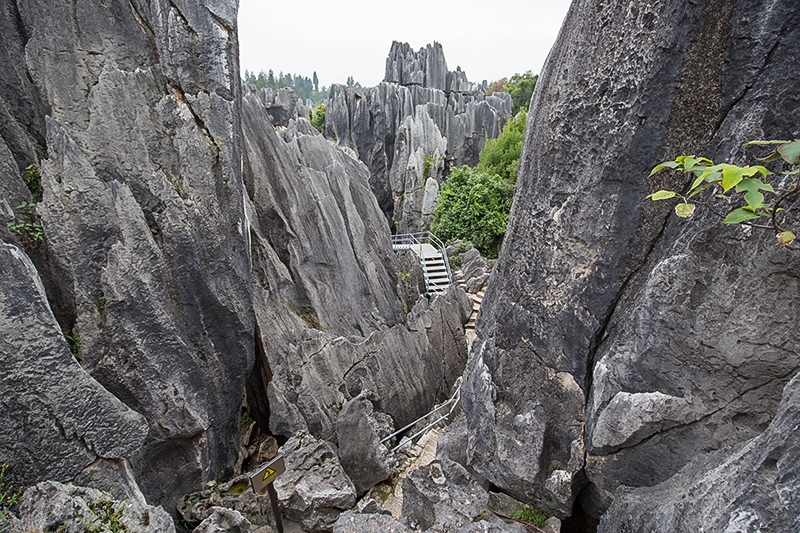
326	290
412	128
616	342
145	257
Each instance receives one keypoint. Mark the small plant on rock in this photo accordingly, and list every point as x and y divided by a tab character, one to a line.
27	227
531	515
9	497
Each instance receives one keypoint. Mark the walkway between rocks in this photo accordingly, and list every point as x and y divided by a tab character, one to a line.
427	453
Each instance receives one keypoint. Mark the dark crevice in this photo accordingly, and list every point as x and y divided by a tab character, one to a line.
146	27
256	386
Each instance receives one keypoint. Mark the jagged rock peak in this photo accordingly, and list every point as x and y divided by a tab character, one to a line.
425	68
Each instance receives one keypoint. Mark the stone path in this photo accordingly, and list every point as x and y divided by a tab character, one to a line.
427	449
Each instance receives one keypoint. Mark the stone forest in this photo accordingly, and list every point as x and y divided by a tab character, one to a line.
198	285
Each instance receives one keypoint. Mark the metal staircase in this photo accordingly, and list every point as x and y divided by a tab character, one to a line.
432	258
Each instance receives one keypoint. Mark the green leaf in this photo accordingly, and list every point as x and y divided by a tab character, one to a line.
700	189
662	195
684	210
732	175
790	152
697	182
737	216
752	184
662	166
785	237
754	199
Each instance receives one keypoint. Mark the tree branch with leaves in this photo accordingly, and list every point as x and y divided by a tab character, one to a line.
738	195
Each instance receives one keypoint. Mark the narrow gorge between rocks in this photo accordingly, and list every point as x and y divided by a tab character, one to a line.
194	279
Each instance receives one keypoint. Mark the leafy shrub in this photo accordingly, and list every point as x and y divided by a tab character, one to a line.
317	118
501	156
27	227
531	515
474	207
33	179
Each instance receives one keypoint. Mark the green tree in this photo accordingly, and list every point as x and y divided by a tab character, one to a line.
501	155
520	87
316	82
474	207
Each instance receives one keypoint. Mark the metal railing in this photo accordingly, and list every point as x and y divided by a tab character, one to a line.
409	241
452	403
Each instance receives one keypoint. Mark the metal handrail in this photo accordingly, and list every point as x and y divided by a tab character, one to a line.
452	401
418	239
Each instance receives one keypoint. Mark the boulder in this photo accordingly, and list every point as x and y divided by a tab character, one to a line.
442	496
222	520
753	487
315	489
52	506
614	342
359	430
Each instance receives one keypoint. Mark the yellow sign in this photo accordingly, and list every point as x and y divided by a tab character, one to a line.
265	474
268	473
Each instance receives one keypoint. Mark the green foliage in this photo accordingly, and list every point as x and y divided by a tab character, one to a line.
474	204
317	118
9	497
74	343
426	171
501	156
474	207
531	515
27	228
33	179
305	87
175	184
107	516
738	194
520	87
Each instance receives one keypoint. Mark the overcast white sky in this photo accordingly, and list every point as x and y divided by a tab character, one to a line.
488	40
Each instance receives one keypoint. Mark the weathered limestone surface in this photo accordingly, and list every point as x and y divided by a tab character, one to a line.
315	489
420	111
359	430
616	342
56	419
146	256
754	488
326	290
50	505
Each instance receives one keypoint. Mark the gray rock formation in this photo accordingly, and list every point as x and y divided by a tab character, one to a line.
359	430
57	421
52	506
754	488
315	489
326	290
412	128
236	494
617	342
353	522
222	520
442	496
146	256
